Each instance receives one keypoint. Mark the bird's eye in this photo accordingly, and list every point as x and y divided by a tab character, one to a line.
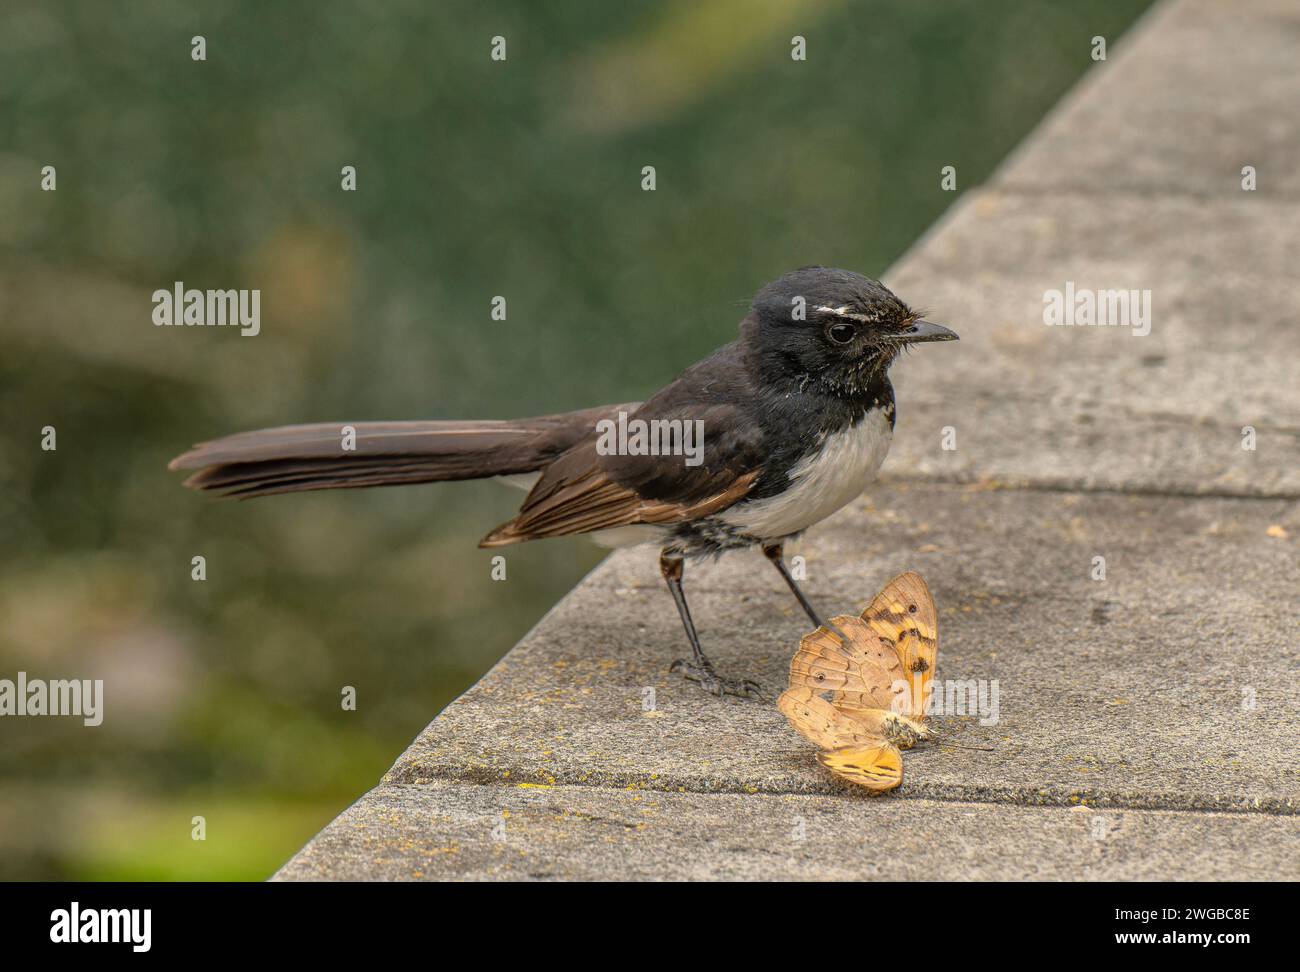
841	333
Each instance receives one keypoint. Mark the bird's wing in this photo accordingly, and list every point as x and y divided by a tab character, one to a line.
590	488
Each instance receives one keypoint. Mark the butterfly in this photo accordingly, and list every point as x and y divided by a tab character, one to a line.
878	670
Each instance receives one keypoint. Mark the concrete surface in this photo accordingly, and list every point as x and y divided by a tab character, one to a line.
1147	722
1207	88
448	830
1091	705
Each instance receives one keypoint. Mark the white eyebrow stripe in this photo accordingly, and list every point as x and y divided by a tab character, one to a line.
843	312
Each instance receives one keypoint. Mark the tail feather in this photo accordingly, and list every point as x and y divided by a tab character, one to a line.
298	458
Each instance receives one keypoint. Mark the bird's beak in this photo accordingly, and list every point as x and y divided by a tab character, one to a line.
926	331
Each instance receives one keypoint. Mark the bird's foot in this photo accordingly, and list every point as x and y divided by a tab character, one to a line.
711	682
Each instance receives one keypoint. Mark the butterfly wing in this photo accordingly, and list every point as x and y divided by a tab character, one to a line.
903	618
821	723
862	668
852	751
878	767
890	726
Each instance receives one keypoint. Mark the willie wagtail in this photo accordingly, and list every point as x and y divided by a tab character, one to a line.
795	418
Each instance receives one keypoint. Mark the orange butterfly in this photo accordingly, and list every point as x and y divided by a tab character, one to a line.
879	676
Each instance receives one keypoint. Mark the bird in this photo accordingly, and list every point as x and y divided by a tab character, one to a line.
747	448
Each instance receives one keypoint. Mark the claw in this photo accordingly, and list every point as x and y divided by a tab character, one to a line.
708	679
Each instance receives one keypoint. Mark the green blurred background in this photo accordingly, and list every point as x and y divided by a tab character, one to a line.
475	179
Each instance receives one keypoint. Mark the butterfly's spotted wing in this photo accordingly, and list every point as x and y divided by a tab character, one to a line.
864	670
903	617
821	723
878	768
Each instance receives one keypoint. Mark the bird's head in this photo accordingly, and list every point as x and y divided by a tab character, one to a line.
833	327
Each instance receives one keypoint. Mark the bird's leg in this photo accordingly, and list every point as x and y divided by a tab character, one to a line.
701	669
775	552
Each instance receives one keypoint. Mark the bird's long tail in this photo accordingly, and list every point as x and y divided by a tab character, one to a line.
296	458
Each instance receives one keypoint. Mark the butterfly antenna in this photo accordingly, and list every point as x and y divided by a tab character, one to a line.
978	749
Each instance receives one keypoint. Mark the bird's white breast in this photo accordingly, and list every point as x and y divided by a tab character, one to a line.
821	482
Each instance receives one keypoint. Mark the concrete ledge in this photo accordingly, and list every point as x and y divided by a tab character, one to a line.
1124	693
1097	407
1206	87
444	830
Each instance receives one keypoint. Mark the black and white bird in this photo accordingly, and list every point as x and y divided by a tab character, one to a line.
794	419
